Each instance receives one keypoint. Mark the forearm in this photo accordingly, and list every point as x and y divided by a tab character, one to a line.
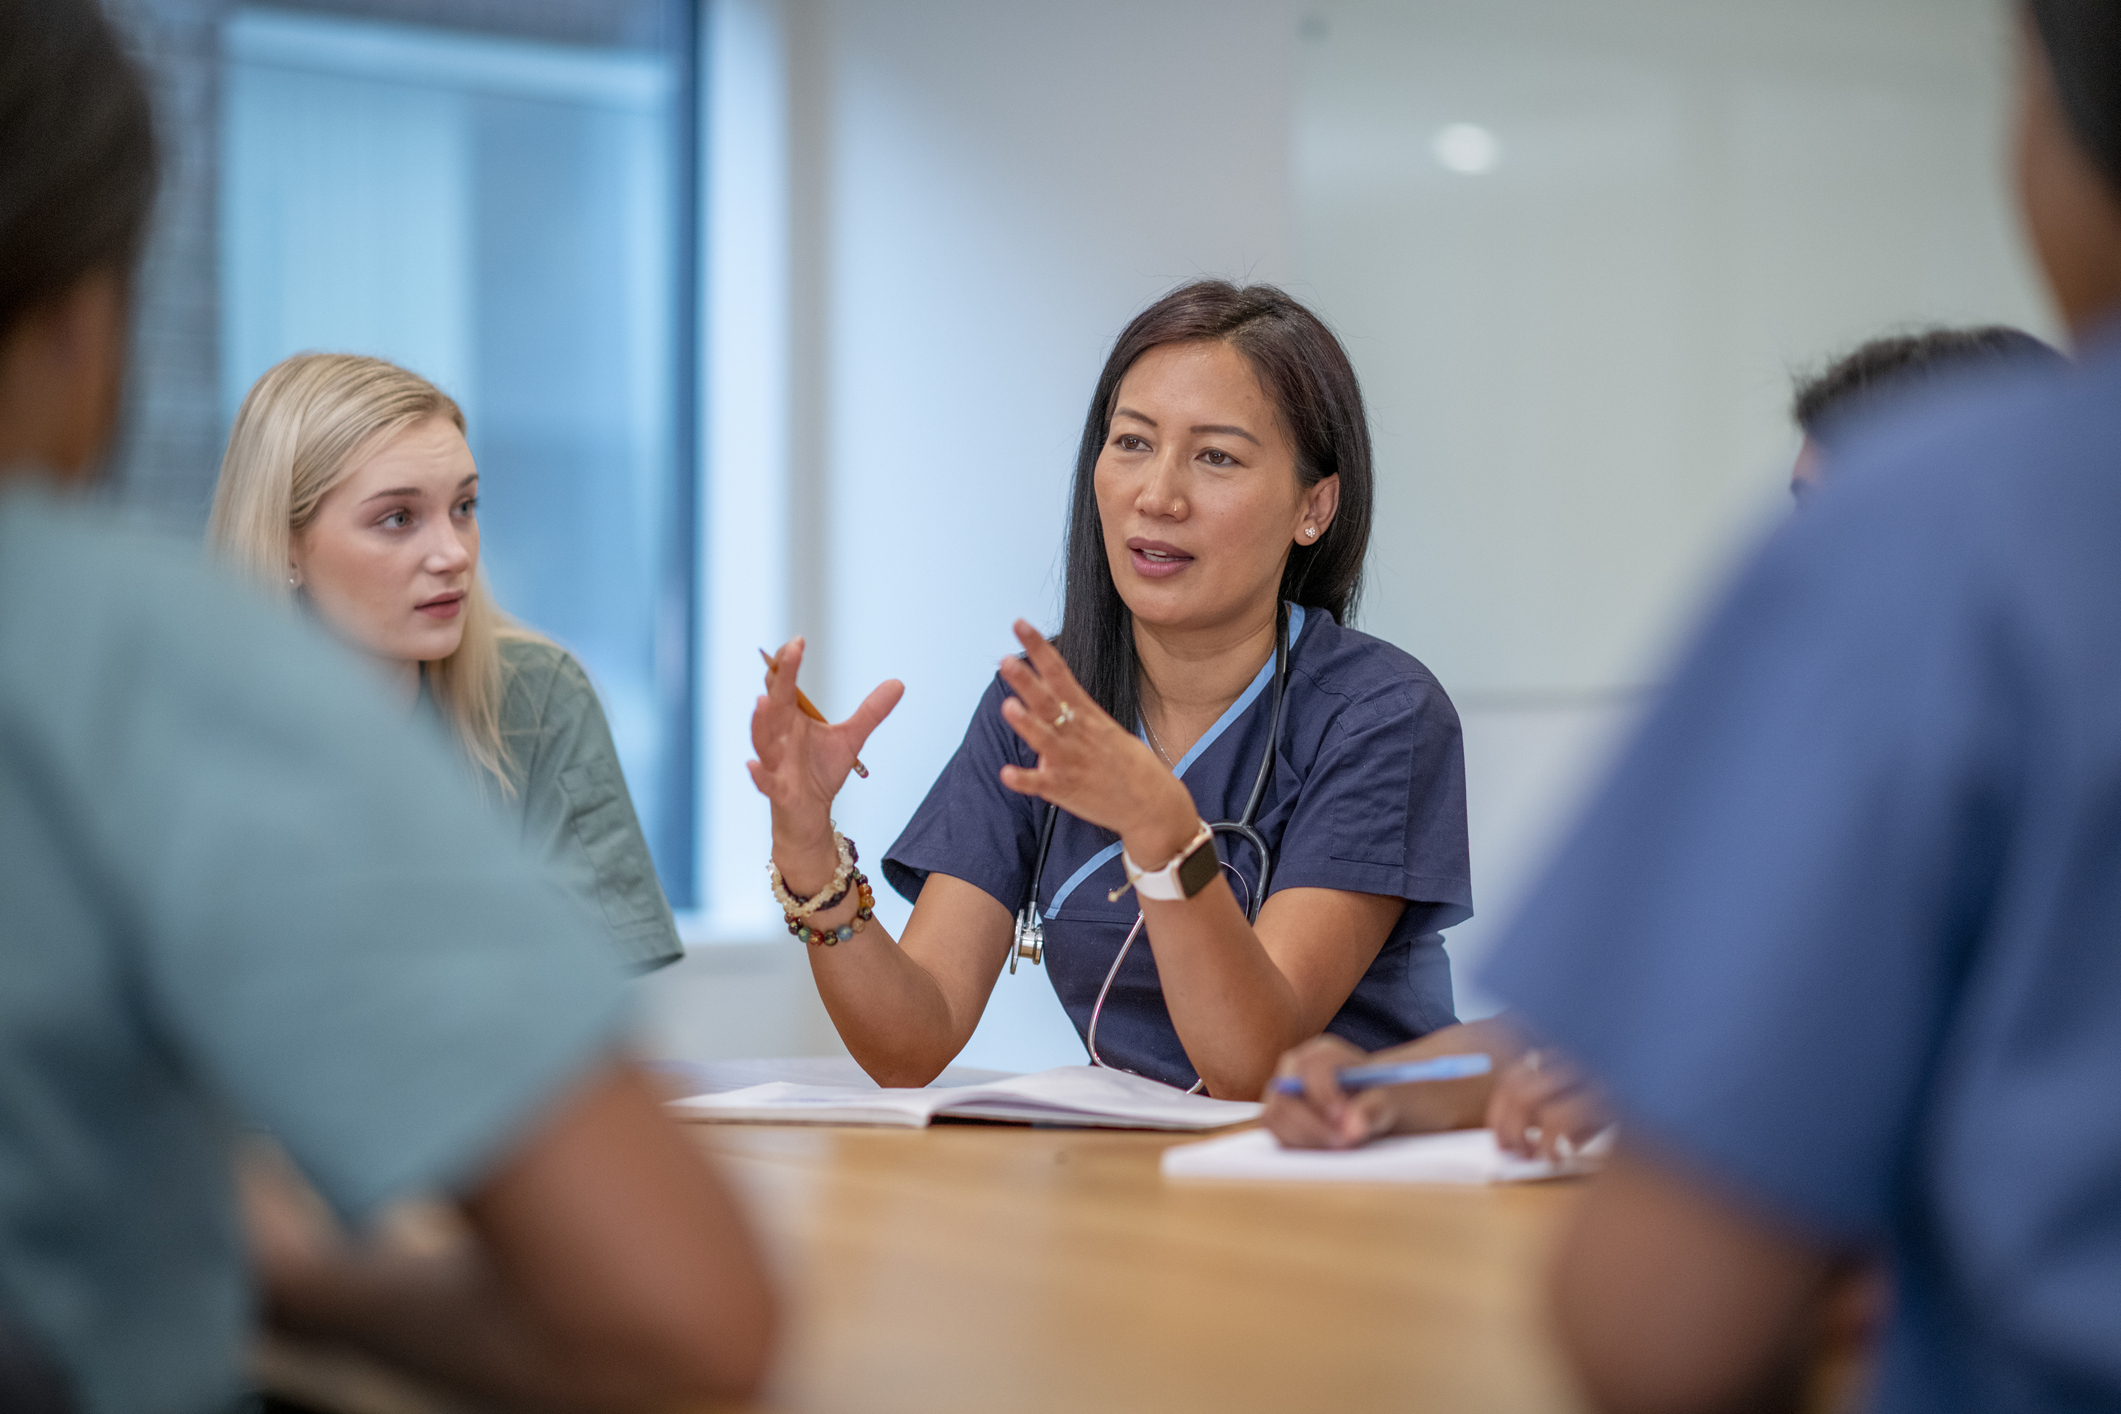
600	1265
904	1007
1452	1104
888	1009
447	1317
1668	1297
1234	1010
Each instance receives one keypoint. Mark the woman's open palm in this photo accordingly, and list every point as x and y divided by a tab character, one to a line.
802	763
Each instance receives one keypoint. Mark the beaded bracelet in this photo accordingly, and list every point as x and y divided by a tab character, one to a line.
827	937
834	892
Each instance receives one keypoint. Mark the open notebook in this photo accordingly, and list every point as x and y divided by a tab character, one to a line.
1460	1156
1070	1094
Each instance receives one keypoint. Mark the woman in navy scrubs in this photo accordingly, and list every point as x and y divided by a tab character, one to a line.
1222	496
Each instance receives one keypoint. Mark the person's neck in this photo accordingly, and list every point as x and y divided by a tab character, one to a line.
1191	676
404	678
2096	326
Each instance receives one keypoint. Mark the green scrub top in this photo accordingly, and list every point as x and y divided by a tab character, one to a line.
572	804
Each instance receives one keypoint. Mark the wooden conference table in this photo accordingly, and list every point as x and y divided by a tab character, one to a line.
972	1267
997	1268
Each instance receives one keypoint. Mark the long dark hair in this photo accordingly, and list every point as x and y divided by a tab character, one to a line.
1305	371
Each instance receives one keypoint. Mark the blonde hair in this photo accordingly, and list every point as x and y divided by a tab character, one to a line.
302	428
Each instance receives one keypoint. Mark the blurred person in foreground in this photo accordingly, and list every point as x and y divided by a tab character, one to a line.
1840	934
1870	378
235	890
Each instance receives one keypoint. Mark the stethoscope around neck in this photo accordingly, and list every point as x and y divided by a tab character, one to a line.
1031	924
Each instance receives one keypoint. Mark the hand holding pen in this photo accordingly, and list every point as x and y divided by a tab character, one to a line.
803	761
1358	1078
1327	1094
808	708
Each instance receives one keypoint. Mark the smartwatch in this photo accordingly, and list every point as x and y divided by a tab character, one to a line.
1189	871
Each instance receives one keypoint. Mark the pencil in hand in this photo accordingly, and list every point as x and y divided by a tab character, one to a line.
809	708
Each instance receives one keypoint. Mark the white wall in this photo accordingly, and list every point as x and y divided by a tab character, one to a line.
1577	363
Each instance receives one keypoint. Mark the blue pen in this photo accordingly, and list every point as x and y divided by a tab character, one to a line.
1368	1077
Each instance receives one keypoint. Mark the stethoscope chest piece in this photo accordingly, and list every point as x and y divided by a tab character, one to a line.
1030	923
1030	937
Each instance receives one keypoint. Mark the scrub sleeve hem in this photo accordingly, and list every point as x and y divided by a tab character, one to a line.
1350	877
910	877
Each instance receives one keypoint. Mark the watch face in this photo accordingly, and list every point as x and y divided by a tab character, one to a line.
1199	869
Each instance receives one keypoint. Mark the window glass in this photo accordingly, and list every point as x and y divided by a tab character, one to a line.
509	217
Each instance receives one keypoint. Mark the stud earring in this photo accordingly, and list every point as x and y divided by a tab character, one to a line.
1310	532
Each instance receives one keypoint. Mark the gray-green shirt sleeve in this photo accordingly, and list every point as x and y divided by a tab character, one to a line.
576	811
314	915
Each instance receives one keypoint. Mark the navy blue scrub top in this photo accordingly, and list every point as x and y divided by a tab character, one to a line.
1367	796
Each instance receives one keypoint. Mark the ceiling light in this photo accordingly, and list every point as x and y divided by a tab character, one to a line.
1467	148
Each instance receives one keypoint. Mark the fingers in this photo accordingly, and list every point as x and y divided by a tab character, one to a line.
1510	1107
1086	737
1041	677
770	715
1573	1120
1297	1125
1319	1118
780	677
1368	1115
1514	1110
1537	1104
769	724
875	707
1052	668
1023	782
1033	695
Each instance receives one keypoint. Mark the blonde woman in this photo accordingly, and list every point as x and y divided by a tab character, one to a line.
348	485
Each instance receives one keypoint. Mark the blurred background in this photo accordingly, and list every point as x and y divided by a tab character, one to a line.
780	316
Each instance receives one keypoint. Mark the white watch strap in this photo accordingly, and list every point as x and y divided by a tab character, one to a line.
1162	884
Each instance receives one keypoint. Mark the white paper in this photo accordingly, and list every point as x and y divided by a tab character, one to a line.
1459	1156
1070	1094
684	1079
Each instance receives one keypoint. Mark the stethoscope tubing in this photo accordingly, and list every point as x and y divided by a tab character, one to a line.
1242	827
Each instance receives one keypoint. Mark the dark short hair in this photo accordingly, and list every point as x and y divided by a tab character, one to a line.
1886	368
77	153
1306	373
2083	43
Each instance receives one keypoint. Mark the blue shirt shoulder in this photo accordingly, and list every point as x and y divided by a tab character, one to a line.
1839	929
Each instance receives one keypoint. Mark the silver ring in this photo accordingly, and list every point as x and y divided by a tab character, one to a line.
1532	1133
1067	715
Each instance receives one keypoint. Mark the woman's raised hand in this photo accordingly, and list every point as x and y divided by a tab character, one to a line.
802	763
1088	764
